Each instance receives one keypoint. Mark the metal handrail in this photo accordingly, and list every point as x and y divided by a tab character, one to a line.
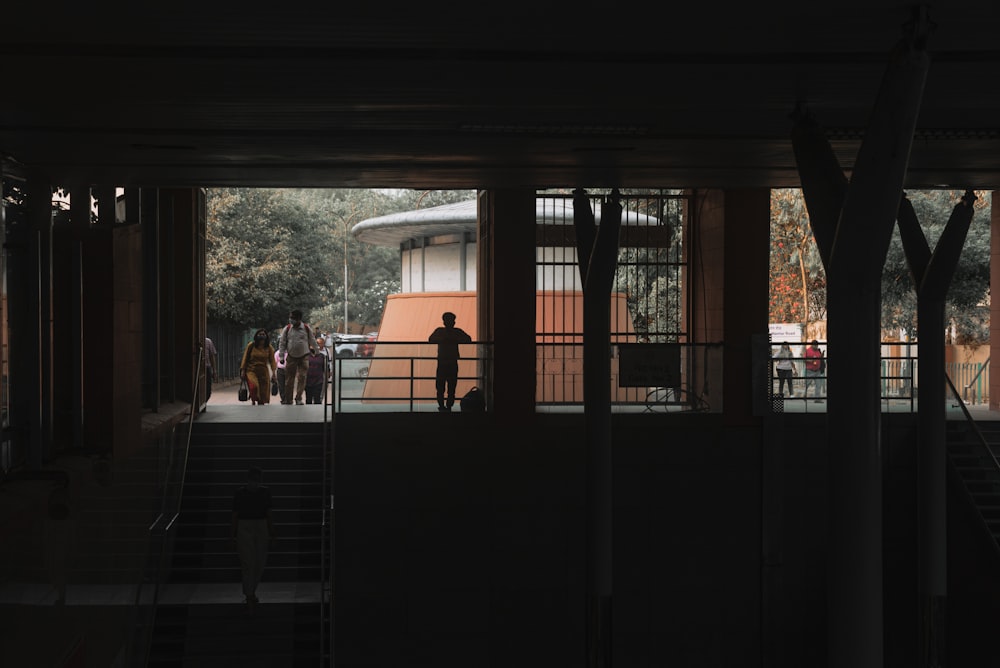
326	526
972	423
410	398
954	470
169	525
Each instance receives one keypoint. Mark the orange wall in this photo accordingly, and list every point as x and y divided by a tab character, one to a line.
411	317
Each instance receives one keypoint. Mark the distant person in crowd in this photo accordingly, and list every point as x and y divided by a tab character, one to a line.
253	531
257	367
294	345
447	339
279	375
785	368
815	368
316	374
211	364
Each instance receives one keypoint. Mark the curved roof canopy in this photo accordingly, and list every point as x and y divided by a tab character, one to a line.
397	228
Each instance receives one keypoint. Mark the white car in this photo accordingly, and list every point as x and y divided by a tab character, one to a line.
346	345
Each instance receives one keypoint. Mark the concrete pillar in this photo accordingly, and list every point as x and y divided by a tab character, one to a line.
507	297
186	280
994	369
149	220
97	332
29	261
745	261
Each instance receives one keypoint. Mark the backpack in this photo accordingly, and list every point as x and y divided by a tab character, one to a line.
822	364
473	401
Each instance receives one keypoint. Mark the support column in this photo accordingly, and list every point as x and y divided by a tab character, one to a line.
149	217
188	289
707	257
994	369
168	353
597	258
79	226
747	238
98	316
853	225
507	297
40	314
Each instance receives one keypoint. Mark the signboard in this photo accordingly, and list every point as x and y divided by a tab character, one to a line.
649	365
785	331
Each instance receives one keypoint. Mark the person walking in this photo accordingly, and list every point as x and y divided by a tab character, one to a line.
211	364
258	366
279	375
815	368
252	530
785	368
447	339
316	374
295	344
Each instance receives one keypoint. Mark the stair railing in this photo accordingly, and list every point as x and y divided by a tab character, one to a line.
327	534
972	423
990	457
161	532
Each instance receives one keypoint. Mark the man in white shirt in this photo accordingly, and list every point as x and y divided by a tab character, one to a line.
295	344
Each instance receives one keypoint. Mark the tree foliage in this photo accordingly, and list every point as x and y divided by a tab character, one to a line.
967	306
272	250
798	283
651	277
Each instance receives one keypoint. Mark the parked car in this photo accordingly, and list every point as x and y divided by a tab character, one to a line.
346	345
367	347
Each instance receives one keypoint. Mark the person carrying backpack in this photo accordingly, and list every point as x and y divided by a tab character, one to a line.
295	344
815	369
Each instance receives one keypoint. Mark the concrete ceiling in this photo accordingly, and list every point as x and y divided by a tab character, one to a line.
466	95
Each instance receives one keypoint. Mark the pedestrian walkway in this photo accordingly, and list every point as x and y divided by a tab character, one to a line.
225	406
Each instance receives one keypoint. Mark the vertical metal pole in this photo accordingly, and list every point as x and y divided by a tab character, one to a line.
80	209
597	256
345	278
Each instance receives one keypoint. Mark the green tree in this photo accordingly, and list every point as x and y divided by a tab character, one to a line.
271	250
798	282
650	274
264	251
967	307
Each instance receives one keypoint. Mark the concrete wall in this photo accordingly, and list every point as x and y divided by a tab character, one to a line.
437	268
461	542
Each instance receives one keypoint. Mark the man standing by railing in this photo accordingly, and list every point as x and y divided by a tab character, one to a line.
447	338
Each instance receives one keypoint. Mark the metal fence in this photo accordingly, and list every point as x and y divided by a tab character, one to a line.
230	342
972	379
898	381
400	376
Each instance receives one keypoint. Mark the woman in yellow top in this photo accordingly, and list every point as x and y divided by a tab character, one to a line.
258	367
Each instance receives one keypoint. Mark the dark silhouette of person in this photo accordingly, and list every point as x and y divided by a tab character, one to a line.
253	531
447	339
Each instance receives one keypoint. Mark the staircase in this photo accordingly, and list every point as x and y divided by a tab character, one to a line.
201	620
977	470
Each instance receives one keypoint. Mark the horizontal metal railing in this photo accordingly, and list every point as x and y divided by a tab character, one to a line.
898	379
400	377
